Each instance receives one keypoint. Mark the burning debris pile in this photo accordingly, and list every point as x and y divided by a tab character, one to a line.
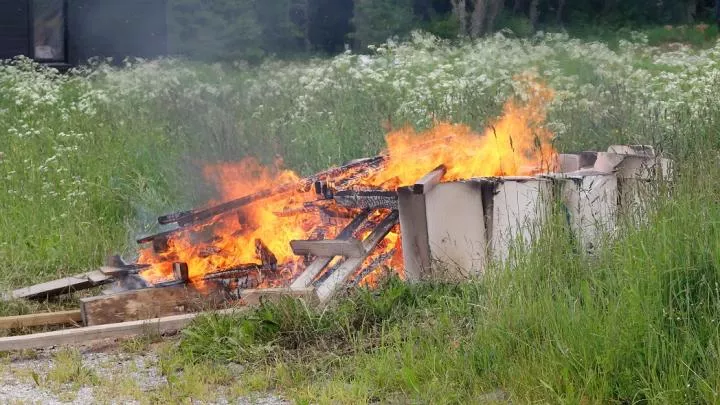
461	199
273	225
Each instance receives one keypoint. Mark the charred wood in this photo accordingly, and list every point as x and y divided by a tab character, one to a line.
189	217
209	251
266	257
240	271
181	271
367	199
372	266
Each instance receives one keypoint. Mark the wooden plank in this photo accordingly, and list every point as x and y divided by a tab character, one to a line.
114	271
161	325
306	278
61	286
328	248
413	228
79	336
329	287
147	303
41	319
430	180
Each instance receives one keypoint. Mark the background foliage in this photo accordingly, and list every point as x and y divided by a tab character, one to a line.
250	29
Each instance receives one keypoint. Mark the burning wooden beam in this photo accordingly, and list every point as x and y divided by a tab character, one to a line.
329	286
189	217
160	235
267	258
240	271
181	272
430	180
376	199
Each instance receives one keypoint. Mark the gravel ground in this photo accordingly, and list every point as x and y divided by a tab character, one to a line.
18	386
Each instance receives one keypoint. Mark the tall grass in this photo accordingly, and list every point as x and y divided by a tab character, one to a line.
87	160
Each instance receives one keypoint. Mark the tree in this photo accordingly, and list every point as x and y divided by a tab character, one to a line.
534	14
479	13
217	30
377	20
459	8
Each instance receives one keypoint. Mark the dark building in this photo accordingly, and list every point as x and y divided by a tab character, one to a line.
69	32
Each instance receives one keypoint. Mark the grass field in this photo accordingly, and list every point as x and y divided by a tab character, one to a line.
88	160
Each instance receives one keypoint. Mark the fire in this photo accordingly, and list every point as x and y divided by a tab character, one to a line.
515	144
230	241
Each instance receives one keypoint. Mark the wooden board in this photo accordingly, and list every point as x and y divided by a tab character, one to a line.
159	325
456	230
146	303
41	319
330	286
414	230
306	278
80	336
61	286
328	248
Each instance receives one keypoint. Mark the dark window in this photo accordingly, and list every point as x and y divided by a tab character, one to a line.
49	24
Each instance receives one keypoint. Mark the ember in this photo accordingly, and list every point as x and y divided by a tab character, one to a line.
248	234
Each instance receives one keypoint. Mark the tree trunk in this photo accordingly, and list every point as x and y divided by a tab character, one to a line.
306	27
517	6
691	10
495	8
559	15
534	13
460	12
478	18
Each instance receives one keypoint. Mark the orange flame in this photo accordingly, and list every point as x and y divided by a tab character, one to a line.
515	144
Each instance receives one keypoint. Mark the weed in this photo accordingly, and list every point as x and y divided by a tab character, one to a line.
68	368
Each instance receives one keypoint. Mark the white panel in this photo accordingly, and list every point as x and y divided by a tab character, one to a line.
592	203
456	228
520	208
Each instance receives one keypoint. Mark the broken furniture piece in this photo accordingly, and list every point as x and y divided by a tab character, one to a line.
456	229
